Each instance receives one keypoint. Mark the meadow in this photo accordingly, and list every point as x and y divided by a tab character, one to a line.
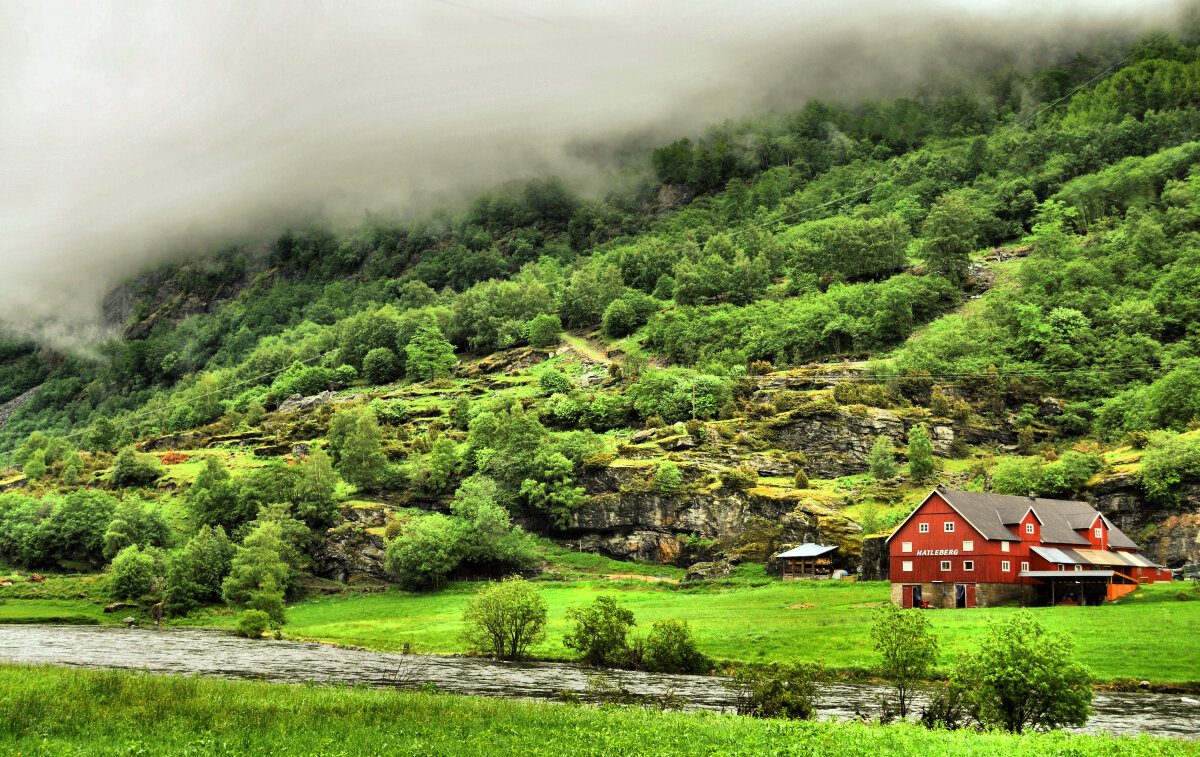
120	713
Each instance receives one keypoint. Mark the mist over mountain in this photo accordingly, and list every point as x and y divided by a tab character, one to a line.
133	132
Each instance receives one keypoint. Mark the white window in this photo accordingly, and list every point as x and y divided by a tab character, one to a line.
906	546
968	546
906	566
1028	528
945	565
923	528
1062	567
1078	567
1004	566
968	565
1024	567
948	526
1098	532
1004	546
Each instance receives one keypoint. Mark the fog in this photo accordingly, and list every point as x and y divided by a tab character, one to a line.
132	132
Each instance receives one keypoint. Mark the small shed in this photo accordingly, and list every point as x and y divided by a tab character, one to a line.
807	561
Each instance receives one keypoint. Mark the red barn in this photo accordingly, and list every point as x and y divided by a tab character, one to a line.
966	549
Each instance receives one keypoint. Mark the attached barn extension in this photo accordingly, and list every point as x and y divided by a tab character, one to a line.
966	549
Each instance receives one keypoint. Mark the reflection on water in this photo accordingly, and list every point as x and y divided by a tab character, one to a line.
218	653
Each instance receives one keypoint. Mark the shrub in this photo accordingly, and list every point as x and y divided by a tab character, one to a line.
554	381
345	374
381	366
619	319
1169	460
882	458
543	330
670	648
269	599
908	647
801	480
695	429
424	554
939	405
506	619
667	477
35	468
133	469
132	573
740	478
959	449
252	623
787	691
1025	440
600	632
962	411
391	412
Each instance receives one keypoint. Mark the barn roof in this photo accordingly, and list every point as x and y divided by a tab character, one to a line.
807	550
991	515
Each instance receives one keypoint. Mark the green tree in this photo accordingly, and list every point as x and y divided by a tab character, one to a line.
543	330
429	355
425	553
948	236
258	558
133	572
1023	676
357	446
939	404
252	623
214	499
506	619
35	468
667	477
134	523
268	598
489	542
442	466
316	503
882	458
600	632
909	650
553	491
554	381
103	435
619	319
671	648
920	454
380	366
133	469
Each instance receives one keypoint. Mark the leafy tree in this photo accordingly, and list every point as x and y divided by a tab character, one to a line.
619	319
214	499
1023	676
442	466
132	572
948	236
75	527
671	648
268	598
381	366
134	523
35	468
425	553
103	435
667	477
429	355
133	469
554	491
258	558
252	623
346	374
315	503
506	619
909	650
600	631
920	454
357	446
461	414
544	330
882	458
939	405
488	541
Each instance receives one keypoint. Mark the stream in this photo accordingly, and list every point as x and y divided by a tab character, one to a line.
212	652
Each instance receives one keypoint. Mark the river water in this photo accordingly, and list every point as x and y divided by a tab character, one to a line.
218	653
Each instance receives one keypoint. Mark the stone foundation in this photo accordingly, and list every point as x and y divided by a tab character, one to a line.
941	595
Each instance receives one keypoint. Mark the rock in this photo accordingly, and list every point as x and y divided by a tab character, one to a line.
350	550
118	606
296	402
1050	408
300	449
708	571
641	436
769	466
678	442
130	621
593	377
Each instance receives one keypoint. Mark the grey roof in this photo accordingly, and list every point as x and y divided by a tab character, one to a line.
807	550
991	514
1067	575
1050	554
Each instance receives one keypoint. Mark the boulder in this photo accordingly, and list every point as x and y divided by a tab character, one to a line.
1050	408
300	449
130	621
118	606
296	402
708	571
642	436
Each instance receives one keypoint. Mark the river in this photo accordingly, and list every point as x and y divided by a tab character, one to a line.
218	653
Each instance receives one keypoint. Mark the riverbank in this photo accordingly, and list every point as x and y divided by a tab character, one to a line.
749	618
123	713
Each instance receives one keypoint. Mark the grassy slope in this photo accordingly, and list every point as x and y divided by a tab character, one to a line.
124	713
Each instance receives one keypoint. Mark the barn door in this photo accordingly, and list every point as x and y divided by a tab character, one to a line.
970	595
960	596
910	597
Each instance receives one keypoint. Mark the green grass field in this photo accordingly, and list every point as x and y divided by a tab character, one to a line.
749	618
128	713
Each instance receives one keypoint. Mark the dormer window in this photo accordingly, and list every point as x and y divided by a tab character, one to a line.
1099	532
1028	528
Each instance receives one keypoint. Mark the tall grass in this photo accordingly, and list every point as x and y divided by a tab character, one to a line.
58	711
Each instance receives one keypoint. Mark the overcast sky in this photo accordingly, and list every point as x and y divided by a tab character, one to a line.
132	130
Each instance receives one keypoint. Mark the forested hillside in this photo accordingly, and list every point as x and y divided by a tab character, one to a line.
1011	267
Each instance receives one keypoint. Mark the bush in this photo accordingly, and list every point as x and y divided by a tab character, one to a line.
543	330
252	623
345	374
133	469
908	647
619	319
391	412
132	573
424	554
381	366
667	477
695	429
787	691
506	619
555	381
1168	461
670	648
801	481
600	632
740	478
